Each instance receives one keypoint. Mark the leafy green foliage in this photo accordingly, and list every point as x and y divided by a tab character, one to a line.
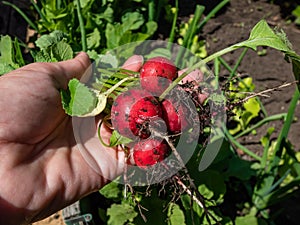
100	24
120	214
248	110
78	100
53	47
296	13
175	215
8	57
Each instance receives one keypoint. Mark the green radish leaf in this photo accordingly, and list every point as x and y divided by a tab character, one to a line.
263	35
132	21
117	139
79	100
126	32
101	104
61	51
47	40
120	214
175	215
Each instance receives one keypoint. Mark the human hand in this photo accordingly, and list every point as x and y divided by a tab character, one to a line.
41	168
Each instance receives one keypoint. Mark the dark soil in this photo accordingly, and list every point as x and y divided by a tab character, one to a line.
270	70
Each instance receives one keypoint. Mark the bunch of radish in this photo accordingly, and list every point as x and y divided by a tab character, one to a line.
140	115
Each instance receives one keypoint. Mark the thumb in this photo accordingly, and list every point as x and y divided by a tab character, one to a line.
77	67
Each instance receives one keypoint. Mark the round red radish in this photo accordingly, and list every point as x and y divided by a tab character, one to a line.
132	111
148	152
156	74
176	112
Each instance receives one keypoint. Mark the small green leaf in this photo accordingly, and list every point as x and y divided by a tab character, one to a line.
117	139
249	219
119	214
48	40
296	11
112	191
132	21
108	61
93	39
212	184
79	100
252	109
151	27
84	3
175	215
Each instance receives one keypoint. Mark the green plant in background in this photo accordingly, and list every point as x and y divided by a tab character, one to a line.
10	54
248	110
96	25
296	13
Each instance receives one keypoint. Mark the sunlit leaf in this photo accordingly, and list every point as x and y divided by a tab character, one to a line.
175	215
79	99
119	214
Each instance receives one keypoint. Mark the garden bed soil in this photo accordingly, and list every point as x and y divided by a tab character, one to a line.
269	70
233	25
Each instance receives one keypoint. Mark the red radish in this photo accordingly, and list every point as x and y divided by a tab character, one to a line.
157	73
176	112
132	111
148	152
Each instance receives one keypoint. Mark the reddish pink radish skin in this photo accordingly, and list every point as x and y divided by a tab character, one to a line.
148	152
175	114
131	110
156	74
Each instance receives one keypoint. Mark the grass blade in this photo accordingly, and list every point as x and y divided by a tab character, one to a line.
240	146
212	13
188	38
82	28
260	123
285	130
37	8
172	33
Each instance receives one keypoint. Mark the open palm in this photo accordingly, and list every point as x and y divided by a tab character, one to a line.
41	168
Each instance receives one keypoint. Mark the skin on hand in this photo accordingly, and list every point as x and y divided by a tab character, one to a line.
41	168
